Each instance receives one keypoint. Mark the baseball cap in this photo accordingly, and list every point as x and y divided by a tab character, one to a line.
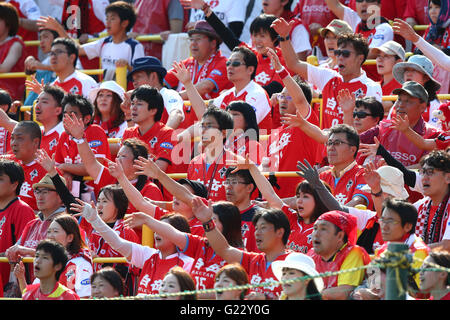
414	89
392	48
46	182
391	181
147	63
203	27
338	27
107	85
417	62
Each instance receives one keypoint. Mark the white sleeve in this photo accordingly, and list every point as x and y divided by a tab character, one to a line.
319	76
88	85
236	11
260	103
351	17
93	49
300	39
418	186
362	216
138	52
434	54
383	33
218	100
447	231
172	100
83	278
30	9
374	90
140	254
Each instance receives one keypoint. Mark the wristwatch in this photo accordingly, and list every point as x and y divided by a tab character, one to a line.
378	194
78	141
284	39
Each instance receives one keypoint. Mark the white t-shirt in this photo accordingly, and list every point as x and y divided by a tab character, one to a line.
172	100
109	52
300	39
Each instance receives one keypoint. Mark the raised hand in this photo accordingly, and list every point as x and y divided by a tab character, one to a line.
146	167
202	211
368	150
292	120
372	177
34	86
401	123
135	220
346	100
46	162
240	163
73	125
309	173
181	72
85	210
282	27
274	60
405	30
115	169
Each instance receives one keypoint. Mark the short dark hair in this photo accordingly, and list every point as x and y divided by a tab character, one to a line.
9	14
243	174
223	118
178	221
14	171
58	253
350	133
70	226
125	11
305	86
375	107
405	210
139	149
249	114
53	32
84	105
70	45
113	277
358	42
32	129
276	217
437	159
5	98
249	58
57	93
153	98
441	258
263	23
116	194
230	217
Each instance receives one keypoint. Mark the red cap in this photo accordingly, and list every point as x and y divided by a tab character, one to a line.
344	221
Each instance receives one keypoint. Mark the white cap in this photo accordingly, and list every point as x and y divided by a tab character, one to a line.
392	182
107	85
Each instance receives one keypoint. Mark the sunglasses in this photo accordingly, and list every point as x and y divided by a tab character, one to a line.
361	114
234	63
344	53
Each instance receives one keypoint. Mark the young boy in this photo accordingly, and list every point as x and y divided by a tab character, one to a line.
49	262
116	49
66	155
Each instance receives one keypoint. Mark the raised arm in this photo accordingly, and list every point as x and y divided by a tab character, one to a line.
402	124
6	122
311	130
336	7
283	28
216	239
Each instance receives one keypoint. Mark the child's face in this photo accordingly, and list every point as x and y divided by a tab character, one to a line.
106	208
45	40
43	265
434	10
261	40
113	23
100	288
170	285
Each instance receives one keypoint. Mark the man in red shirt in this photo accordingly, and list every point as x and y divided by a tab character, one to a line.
14	213
272	231
351	53
206	65
345	177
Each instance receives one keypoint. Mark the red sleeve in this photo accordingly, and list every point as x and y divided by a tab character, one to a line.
170	79
152	191
98	141
218	75
59	158
167	142
194	245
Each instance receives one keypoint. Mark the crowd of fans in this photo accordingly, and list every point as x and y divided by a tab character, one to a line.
296	138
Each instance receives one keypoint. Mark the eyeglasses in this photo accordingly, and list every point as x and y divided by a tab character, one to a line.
368	1
388	221
234	63
284	97
43	192
56	52
336	143
427	171
233	182
209	126
344	53
361	114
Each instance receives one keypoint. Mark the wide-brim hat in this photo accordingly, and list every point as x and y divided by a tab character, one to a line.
147	63
301	262
392	182
417	62
46	182
203	27
110	85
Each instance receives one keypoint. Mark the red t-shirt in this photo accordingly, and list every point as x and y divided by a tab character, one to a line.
15	86
60	292
77	83
5	141
50	139
387	88
214	70
248	229
34	172
300	239
13	220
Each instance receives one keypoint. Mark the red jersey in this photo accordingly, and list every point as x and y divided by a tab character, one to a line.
195	225
347	257
189	117
330	83
418	10
15	87
286	146
259	270
255	96
348	185
397	144
50	139
13	220
387	88
60	292
77	83
5	141
211	175
300	239
206	261
154	267
110	130
248	229
34	172
427	219
214	70
242	146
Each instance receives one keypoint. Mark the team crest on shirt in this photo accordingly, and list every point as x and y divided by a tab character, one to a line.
222	172
74	90
153	142
358	93
349	185
213	3
33	174
52	144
